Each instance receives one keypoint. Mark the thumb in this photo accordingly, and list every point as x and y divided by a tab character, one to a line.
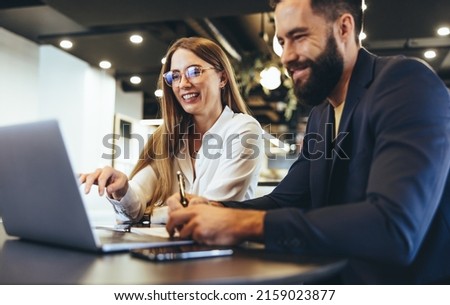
173	202
117	189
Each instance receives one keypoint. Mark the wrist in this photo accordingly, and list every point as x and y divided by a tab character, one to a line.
251	226
215	203
119	194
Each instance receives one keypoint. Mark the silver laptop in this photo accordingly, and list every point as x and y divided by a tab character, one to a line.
40	199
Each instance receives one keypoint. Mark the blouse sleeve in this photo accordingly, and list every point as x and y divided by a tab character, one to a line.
132	206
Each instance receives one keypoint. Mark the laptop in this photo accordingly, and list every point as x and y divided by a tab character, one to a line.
41	201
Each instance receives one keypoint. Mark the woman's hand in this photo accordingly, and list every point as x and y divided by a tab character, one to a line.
174	201
113	181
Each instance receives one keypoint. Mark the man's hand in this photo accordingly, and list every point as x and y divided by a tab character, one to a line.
212	225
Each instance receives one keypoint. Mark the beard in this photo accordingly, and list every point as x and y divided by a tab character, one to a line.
326	71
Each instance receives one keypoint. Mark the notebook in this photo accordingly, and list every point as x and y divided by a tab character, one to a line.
41	201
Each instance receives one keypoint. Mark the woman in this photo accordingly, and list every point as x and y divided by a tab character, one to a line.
206	134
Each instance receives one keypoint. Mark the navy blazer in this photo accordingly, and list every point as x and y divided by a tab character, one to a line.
381	198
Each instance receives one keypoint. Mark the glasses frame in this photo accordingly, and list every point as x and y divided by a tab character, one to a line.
189	77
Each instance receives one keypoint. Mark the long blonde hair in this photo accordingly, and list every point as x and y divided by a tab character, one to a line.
164	144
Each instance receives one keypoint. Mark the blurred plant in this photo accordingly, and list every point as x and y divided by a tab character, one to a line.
248	75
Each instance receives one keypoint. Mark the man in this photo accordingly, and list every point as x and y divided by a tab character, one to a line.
376	194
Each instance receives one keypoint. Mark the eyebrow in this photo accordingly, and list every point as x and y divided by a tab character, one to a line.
193	65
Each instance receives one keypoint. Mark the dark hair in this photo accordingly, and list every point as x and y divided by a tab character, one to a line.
333	9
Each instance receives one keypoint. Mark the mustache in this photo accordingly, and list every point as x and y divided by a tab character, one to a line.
299	65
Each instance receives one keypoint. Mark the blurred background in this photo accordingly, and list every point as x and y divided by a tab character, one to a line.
94	64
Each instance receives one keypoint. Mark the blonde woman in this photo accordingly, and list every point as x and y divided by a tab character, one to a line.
206	134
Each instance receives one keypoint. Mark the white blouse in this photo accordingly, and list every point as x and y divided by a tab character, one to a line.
227	167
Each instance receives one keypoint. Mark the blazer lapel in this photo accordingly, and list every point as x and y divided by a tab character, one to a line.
361	78
320	159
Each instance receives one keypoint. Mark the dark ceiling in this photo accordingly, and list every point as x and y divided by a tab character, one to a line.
100	29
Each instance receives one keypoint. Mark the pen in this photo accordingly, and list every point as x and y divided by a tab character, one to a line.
183	200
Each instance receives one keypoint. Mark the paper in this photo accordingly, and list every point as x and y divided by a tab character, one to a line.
154	231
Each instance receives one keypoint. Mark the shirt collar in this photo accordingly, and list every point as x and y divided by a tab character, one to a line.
226	115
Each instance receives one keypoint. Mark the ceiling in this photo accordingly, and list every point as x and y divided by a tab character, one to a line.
100	29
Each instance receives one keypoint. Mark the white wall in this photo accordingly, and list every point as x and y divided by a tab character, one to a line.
82	99
19	69
43	82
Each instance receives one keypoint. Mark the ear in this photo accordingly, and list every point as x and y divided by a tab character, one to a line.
223	80
346	28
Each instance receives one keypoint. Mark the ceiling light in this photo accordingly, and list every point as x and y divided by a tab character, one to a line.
159	93
443	31
430	54
104	64
66	44
362	36
270	78
137	39
163	60
277	48
135	80
280	106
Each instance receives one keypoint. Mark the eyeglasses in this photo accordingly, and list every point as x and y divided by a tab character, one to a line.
174	76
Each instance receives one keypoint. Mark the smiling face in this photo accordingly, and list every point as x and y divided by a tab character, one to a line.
310	51
199	96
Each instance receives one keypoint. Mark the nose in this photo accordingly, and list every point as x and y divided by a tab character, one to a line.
288	55
184	81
